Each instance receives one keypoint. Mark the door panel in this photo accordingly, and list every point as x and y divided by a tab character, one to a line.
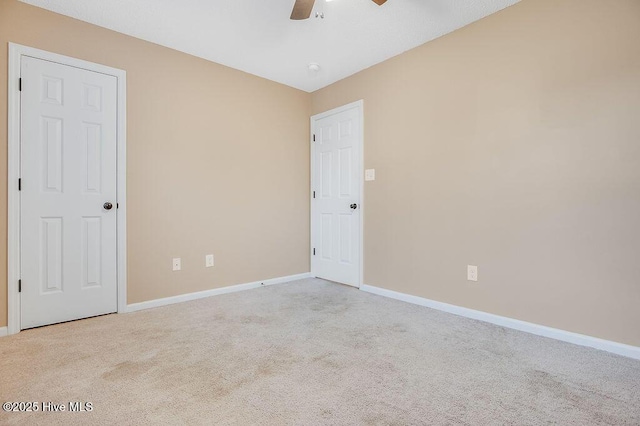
91	157
336	180
68	170
51	246
52	153
91	251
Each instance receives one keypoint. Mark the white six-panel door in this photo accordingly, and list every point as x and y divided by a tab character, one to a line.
68	169
336	210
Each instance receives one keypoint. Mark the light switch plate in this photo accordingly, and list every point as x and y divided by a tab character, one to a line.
177	264
370	174
208	261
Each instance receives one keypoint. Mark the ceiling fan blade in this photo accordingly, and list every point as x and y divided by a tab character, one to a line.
379	2
302	9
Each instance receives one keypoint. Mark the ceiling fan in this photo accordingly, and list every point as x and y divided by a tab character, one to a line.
302	8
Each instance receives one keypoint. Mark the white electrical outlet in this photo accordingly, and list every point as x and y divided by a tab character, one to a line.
208	261
472	273
370	174
177	264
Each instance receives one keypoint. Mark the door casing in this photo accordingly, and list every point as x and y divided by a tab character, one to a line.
16	52
353	105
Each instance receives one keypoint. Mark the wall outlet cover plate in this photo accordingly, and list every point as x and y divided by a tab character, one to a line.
370	174
472	273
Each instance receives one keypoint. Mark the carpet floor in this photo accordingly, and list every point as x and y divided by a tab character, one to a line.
310	353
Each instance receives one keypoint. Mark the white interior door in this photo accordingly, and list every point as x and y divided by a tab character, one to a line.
68	174
336	211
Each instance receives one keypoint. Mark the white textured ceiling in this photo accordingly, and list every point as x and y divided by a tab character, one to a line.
257	36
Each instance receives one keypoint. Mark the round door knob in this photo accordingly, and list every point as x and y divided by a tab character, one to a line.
354	206
107	206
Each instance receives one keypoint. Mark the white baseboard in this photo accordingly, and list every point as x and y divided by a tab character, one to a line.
214	292
3	331
540	330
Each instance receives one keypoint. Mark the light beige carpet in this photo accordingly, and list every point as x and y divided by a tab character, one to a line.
311	353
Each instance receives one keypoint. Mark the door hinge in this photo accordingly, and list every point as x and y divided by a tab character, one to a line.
117	206
19	184
20	84
314	194
314	138
314	251
19	286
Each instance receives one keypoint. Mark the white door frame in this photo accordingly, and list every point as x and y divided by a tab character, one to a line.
353	105
16	52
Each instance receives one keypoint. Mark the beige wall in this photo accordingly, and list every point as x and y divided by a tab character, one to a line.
217	160
512	144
